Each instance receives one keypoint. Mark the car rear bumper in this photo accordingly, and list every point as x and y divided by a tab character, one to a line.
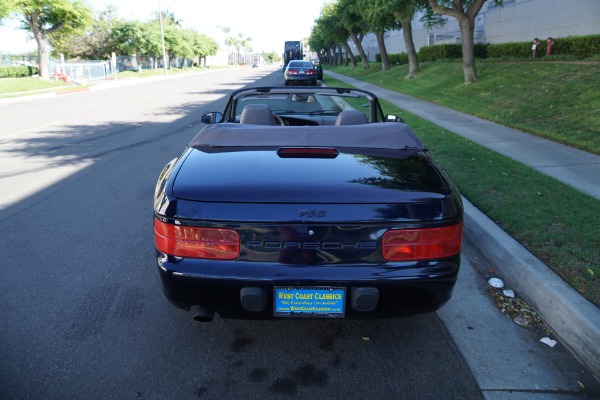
402	289
301	78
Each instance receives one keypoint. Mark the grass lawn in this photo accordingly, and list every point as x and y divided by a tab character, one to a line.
555	222
12	86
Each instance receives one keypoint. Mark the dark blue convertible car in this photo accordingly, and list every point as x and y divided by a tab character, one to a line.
306	202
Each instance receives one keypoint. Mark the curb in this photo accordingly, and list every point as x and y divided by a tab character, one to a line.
575	320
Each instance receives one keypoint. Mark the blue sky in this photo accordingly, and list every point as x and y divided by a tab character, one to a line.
268	22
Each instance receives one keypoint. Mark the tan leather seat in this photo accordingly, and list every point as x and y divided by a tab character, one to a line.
351	117
257	114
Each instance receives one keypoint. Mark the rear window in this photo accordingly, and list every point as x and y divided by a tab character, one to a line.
301	64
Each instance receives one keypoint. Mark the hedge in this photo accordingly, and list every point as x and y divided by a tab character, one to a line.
440	51
585	47
449	51
580	47
17	72
401	58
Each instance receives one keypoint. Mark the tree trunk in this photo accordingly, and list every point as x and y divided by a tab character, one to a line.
385	62
413	64
467	27
40	36
361	51
40	39
332	55
466	21
349	54
42	56
138	60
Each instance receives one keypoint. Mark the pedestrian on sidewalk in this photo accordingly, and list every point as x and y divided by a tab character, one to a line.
535	47
549	46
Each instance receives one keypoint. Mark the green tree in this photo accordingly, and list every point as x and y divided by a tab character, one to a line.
169	18
44	17
350	17
176	43
94	42
318	41
379	19
203	46
133	38
271	57
153	47
329	34
6	7
465	12
404	11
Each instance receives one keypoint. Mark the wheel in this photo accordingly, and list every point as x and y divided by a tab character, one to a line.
287	83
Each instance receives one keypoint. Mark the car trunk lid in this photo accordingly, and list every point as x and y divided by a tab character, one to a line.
264	176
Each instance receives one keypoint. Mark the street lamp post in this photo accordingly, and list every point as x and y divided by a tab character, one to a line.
162	38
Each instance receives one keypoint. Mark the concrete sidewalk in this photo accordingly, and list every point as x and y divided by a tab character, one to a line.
573	318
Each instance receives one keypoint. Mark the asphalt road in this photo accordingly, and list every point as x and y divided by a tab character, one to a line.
83	315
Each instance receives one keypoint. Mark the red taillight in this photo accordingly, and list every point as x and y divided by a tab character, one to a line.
422	244
195	242
311	72
292	71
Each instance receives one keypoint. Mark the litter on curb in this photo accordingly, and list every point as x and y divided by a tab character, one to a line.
497	283
548	341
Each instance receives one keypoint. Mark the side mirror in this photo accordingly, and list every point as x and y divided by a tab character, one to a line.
211	117
393	118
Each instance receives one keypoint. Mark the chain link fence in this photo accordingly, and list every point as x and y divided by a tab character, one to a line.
81	71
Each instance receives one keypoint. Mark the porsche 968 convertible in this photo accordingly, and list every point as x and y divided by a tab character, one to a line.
306	202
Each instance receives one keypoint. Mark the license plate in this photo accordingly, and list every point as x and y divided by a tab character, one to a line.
301	72
316	302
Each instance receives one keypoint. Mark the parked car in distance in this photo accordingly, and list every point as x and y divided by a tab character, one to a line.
300	72
306	202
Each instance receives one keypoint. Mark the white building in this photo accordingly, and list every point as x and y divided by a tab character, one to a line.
515	21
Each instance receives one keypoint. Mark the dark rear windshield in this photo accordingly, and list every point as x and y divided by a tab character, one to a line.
301	64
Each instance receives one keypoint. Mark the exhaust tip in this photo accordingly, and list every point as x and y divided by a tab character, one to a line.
204	314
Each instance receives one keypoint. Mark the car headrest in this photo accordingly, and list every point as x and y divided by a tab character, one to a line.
351	117
257	114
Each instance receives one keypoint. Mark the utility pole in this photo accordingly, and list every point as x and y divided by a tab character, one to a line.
162	38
